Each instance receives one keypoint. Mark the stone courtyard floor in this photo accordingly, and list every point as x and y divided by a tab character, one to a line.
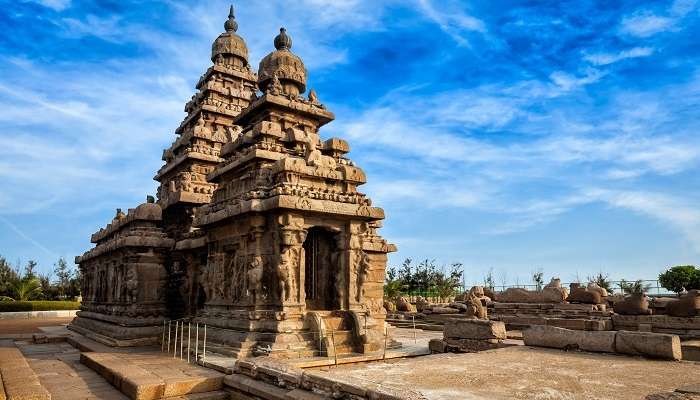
14	326
58	367
525	373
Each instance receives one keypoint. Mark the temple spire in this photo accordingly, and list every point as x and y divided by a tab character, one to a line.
283	41
231	25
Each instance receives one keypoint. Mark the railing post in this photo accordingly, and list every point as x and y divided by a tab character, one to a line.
189	329
162	340
335	352
196	343
386	336
182	336
204	349
169	336
175	343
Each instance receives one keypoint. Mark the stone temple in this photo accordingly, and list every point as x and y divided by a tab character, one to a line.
258	231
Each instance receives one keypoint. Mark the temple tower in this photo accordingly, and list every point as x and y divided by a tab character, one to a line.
223	91
292	244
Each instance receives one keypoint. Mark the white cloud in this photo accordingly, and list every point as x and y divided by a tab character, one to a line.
57	5
610	58
452	20
646	24
679	214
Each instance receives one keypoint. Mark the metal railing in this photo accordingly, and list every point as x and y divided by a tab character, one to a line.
187	341
654	288
177	329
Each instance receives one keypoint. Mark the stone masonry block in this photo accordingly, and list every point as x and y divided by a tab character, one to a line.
474	329
560	338
653	345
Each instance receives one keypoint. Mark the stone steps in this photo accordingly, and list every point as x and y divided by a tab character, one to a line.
151	376
18	379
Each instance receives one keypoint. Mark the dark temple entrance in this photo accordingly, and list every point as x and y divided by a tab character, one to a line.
319	272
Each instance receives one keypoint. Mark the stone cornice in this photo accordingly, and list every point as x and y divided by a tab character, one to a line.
205	217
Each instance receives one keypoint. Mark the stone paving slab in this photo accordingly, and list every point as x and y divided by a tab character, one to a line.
143	376
19	380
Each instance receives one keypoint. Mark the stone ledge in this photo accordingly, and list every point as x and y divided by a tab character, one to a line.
38	314
19	380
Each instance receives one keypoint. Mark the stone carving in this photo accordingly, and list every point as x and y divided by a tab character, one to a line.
313	98
402	304
475	309
593	287
255	274
362	274
285	272
518	295
554	283
583	295
687	306
636	304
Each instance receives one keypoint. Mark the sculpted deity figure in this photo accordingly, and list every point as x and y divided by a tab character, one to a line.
313	98
255	273
315	158
275	86
132	284
285	275
362	275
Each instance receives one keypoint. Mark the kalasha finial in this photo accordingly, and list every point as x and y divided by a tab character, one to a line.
231	25
283	41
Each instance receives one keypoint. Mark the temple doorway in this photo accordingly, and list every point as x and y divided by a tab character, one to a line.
319	271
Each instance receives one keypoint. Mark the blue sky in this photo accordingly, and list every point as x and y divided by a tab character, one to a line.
511	135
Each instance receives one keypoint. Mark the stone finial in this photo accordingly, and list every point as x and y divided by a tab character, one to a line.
231	25
150	199
283	41
313	97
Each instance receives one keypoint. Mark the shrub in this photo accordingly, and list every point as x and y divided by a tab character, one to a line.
633	288
14	306
680	278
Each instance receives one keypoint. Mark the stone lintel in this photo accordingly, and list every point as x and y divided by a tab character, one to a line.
294	203
296	106
191	243
126	241
234	72
190	155
251	155
180	197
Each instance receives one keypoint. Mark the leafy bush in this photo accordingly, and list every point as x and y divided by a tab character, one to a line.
636	287
602	280
680	278
42	305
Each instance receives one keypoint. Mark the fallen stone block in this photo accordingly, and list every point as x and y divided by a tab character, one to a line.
472	345
436	346
474	329
691	350
653	345
560	338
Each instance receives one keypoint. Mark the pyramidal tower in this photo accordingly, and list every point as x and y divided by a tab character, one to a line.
259	231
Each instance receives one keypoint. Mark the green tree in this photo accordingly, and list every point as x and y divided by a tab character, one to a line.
64	274
538	279
27	289
446	282
680	278
8	278
489	280
29	269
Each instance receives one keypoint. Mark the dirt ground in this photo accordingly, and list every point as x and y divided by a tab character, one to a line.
11	326
526	373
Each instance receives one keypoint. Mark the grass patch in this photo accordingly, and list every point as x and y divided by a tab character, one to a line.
41	305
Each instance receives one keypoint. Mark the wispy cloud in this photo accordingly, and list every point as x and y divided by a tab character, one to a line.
610	58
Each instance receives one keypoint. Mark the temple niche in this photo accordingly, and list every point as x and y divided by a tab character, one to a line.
271	242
